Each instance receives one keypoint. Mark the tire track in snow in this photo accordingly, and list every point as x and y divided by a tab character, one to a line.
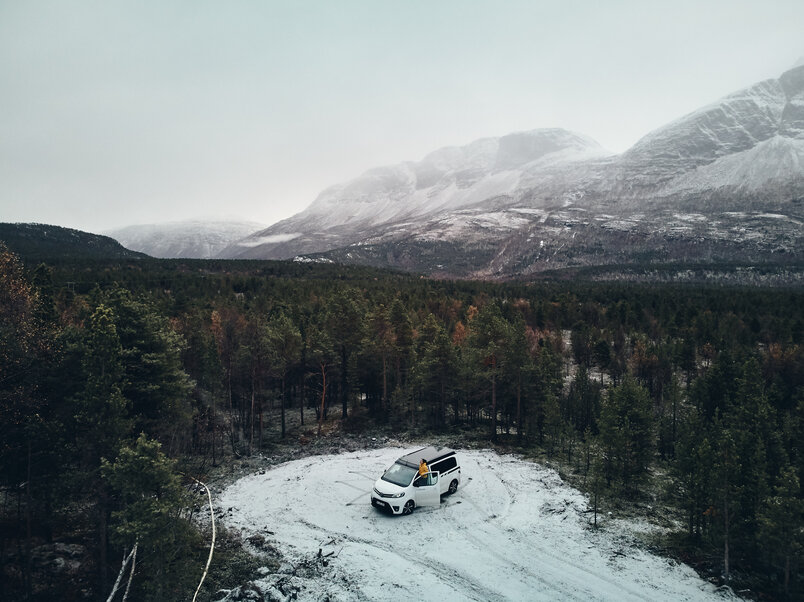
563	560
486	547
579	586
448	575
557	565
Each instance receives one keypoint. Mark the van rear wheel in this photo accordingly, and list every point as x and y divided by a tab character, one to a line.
408	507
453	487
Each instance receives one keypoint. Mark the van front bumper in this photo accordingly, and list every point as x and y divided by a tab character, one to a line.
387	506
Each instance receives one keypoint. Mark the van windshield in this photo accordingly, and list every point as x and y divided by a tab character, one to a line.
399	474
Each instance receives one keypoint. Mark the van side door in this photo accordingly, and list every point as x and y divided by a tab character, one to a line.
427	490
448	470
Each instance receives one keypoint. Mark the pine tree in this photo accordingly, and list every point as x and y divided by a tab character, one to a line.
436	368
626	429
347	317
751	430
284	344
150	503
781	534
727	475
202	362
321	353
519	370
227	325
26	422
154	379
102	418
694	469
489	341
403	337
381	341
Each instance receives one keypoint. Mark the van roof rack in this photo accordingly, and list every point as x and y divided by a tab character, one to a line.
430	454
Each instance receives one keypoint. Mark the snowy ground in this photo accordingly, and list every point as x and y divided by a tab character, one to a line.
513	531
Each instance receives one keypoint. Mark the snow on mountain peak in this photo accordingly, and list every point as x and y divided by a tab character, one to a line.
744	150
516	150
450	177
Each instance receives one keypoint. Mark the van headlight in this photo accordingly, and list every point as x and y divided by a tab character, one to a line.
377	491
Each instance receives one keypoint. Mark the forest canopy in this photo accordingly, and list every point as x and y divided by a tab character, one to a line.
121	379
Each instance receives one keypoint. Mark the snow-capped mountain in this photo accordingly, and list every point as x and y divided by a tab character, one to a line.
724	183
745	143
446	180
194	239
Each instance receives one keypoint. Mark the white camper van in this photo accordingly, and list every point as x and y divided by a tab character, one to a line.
400	489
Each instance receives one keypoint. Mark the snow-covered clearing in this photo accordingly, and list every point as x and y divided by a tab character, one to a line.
513	531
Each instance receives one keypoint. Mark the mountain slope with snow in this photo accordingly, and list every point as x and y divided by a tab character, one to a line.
445	180
527	202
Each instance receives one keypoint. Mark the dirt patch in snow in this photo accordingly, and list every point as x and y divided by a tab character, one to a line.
514	530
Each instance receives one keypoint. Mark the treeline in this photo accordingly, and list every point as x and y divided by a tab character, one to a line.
118	378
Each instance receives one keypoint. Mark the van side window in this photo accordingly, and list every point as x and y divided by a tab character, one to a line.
446	464
428	479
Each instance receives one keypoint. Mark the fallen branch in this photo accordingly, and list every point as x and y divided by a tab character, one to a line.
126	560
212	545
131	574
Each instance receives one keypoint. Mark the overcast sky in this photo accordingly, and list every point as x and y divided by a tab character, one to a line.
117	113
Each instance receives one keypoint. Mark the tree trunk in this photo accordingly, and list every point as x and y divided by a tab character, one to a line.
519	408
493	399
251	420
261	427
726	533
384	385
692	520
323	396
344	382
214	458
229	386
303	396
787	574
442	410
2	563
588	459
675	403
28	558
283	406
102	540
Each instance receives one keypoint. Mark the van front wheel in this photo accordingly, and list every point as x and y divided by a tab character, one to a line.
453	487
408	507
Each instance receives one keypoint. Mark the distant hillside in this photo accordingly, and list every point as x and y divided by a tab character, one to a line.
42	242
198	239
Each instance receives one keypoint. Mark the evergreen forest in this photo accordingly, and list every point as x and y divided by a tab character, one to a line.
122	381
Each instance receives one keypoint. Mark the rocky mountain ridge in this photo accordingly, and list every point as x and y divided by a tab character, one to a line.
446	180
724	183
